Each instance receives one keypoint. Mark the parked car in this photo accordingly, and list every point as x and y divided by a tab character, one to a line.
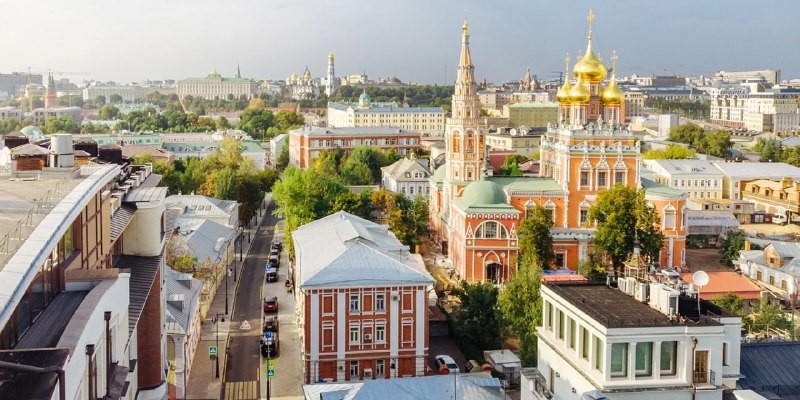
273	262
779	219
271	304
270	347
272	275
270	323
277	245
446	365
273	252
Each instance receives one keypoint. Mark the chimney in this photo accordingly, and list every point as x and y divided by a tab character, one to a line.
746	245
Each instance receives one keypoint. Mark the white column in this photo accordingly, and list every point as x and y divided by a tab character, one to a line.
314	337
419	339
394	329
341	335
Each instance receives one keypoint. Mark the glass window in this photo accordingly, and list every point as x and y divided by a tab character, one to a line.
355	334
598	353
644	359
560	326
380	302
353	369
619	359
601	179
585	338
584	178
354	306
572	333
669	354
724	354
669	220
380	370
491	230
549	316
380	334
583	216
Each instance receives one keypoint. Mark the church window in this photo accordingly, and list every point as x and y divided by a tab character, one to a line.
491	230
583	216
584	178
601	179
620	178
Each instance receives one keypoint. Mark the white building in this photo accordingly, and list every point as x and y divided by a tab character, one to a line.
771	76
214	86
733	175
697	178
408	176
776	110
250	149
183	325
276	146
776	266
598	342
666	122
223	212
129	93
427	120
41	115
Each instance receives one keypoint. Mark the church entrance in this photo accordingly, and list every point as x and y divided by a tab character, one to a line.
493	272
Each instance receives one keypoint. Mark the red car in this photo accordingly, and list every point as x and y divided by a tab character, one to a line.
271	304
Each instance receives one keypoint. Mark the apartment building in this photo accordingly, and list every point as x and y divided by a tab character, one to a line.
775	267
775	111
81	266
774	196
365	113
408	176
531	115
362	301
728	106
634	106
734	175
697	178
40	115
306	144
645	340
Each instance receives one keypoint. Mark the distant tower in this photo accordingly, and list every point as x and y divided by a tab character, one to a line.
331	85
51	98
238	72
525	84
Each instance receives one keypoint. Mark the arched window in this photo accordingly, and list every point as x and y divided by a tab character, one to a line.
491	230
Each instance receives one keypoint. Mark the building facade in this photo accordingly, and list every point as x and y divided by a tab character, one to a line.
531	115
408	176
362	301
776	111
41	115
306	144
302	87
523	142
634	106
130	93
734	175
776	267
699	179
728	106
215	86
427	120
774	196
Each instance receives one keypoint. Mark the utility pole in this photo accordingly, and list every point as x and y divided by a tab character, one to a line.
216	321
227	272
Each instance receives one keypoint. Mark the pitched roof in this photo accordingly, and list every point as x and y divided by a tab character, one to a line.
688	167
654	189
404	168
771	366
758	170
197	205
29	149
722	282
475	386
345	250
131	150
202	236
183	288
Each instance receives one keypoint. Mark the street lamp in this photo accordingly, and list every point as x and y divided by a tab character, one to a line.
216	321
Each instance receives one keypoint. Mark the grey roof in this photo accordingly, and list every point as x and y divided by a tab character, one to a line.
29	149
711	218
403	169
383	108
758	170
120	220
471	386
201	206
48	327
150	181
687	167
146	195
202	236
360	131
143	271
183	293
771	367
345	250
791	141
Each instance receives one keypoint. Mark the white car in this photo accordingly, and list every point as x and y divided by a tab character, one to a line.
447	361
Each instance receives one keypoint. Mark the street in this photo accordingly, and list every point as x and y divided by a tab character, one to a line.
241	370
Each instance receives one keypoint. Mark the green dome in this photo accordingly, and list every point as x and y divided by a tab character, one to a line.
31	131
364	96
483	192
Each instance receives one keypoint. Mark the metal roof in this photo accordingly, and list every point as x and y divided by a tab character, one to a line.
687	167
771	366
403	169
201	206
120	220
188	289
201	236
143	273
48	327
468	386
360	131
146	195
758	170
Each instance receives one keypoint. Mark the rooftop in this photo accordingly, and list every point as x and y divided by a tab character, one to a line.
771	367
362	131
758	170
688	167
26	385
655	189
469	386
722	282
613	308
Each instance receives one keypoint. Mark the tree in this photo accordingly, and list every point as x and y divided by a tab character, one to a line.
286	120
327	164
100	100
283	159
108	112
769	150
416	219
716	143
256	121
730	303
622	216
733	244
115	99
478	323
535	240
770	317
179	256
223	124
594	267
521	304
673	152
686	133
511	164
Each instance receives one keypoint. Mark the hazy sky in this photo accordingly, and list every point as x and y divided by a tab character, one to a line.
415	40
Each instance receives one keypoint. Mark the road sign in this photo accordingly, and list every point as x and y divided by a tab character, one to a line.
271	373
212	350
270	368
245	326
268	335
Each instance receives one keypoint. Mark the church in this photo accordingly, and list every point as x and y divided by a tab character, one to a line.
475	217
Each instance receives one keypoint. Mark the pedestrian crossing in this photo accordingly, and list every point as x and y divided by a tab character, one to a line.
245	390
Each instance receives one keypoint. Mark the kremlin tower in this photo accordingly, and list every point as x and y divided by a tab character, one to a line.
51	97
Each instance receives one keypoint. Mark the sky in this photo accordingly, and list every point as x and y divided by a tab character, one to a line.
415	40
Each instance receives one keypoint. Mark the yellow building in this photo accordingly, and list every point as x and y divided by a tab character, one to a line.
368	114
532	115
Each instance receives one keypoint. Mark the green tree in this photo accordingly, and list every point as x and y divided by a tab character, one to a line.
100	100
733	244
535	240
686	133
415	219
115	99
769	150
716	143
108	112
256	121
594	267
286	120
283	159
222	124
731	303
521	304
478	323
673	152
770	317
327	163
179	256
511	164
622	215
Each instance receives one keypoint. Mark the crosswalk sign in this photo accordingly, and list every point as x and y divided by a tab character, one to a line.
270	368
212	350
270	373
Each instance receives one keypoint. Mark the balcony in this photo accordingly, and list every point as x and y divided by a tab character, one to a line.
703	380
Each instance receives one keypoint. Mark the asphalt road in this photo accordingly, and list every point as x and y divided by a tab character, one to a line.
241	368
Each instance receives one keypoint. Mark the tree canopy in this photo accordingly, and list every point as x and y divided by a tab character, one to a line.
715	142
535	240
622	216
521	304
478	323
674	152
511	164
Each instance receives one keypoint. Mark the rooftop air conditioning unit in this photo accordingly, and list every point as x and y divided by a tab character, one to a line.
367	373
641	291
622	285
367	338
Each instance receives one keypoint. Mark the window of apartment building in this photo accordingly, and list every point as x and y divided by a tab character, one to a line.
561	259
380	302
784	284
560	324
355	334
584	178
353	369
549	320
354	303
380	334
572	333
598	353
644	359
585	338
676	183
669	355
380	369
669	219
601	179
619	360
771	280
724	353
759	276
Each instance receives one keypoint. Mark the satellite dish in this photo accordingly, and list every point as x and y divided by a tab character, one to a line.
700	278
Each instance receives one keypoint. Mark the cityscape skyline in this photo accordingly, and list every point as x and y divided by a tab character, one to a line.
414	41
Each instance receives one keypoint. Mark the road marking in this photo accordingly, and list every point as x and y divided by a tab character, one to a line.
245	390
245	326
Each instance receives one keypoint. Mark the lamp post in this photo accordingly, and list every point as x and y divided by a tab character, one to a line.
216	321
227	272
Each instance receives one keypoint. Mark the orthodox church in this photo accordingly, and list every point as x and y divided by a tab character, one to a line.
475	217
299	88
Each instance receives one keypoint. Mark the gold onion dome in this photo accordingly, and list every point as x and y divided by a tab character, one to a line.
563	93
612	94
579	93
589	67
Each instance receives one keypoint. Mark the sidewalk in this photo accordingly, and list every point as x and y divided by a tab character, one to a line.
203	383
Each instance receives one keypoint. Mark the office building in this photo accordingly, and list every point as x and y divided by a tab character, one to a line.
306	143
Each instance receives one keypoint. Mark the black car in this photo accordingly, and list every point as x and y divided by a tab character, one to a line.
270	347
273	262
272	275
278	246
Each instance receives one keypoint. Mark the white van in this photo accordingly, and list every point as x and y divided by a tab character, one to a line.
779	219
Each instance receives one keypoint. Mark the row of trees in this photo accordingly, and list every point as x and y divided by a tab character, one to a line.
714	142
772	150
417	96
673	152
687	109
361	167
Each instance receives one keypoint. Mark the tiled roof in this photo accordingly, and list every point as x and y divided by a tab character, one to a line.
29	149
722	282
345	250
360	131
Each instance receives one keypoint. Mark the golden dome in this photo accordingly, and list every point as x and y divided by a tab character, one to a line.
579	93
612	94
563	93
590	68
